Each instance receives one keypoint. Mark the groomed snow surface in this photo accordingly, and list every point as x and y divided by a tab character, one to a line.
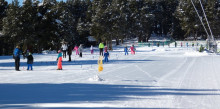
155	77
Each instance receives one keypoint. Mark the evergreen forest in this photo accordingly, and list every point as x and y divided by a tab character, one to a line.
38	26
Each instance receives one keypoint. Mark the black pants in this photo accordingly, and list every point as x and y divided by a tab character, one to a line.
101	52
80	54
64	53
69	57
17	63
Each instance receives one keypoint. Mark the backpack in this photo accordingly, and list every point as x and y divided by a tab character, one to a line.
16	53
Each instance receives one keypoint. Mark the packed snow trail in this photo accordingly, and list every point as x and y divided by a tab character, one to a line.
155	77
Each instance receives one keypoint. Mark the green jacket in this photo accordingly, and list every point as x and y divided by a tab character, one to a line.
101	45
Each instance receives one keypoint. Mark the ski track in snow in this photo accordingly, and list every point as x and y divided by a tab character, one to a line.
156	77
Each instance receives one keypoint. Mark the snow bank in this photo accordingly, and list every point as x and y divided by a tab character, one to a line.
96	78
195	53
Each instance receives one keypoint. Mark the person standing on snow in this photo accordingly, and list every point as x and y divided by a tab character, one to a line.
69	52
91	49
187	44
126	50
76	48
175	44
101	46
16	56
59	59
30	61
64	48
132	48
80	50
106	55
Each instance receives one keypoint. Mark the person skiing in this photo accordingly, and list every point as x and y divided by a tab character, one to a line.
106	55
132	48
30	61
64	48
101	46
91	49
16	56
59	59
76	48
187	44
80	50
126	50
69	52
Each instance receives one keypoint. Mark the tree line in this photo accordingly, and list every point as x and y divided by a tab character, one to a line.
38	26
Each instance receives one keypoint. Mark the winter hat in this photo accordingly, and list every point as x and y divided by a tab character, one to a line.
59	51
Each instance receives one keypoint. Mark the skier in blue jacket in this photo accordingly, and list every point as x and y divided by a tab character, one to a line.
106	55
16	56
126	50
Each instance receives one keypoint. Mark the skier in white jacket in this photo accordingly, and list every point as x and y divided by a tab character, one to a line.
64	48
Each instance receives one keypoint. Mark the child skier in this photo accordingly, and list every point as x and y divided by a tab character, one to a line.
187	44
91	49
126	50
59	58
30	61
106	55
76	48
132	48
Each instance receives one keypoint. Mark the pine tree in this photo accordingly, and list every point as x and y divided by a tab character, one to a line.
188	18
212	10
11	27
3	7
100	24
28	21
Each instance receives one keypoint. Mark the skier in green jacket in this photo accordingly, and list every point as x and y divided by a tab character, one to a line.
101	46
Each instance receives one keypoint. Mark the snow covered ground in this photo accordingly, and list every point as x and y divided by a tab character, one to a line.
156	77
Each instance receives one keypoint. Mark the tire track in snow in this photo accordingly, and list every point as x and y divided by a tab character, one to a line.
172	72
215	82
148	74
178	99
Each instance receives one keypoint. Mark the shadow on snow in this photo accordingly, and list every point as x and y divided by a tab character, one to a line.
78	93
77	62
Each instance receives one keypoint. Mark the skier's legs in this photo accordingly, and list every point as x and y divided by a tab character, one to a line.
17	63
31	67
28	66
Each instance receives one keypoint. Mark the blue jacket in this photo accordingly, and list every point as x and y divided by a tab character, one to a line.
106	54
126	49
17	52
59	55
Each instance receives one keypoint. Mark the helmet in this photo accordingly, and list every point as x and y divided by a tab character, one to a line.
59	51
